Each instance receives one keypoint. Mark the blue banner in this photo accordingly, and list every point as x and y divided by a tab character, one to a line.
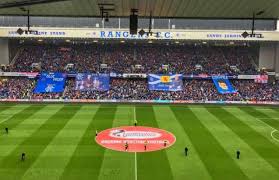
97	82
50	83
159	82
223	85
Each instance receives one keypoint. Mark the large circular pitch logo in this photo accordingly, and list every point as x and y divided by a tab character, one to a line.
122	133
135	139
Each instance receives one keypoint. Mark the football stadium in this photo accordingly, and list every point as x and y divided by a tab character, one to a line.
139	90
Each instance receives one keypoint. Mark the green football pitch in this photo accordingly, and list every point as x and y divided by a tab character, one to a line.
59	142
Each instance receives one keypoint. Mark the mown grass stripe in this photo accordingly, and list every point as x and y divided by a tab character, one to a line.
262	116
87	159
254	166
119	165
182	167
274	107
55	157
258	142
255	124
151	165
217	161
270	112
3	108
6	114
11	167
17	118
24	130
2	104
6	104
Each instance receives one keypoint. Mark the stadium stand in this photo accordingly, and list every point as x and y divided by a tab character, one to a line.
186	59
137	89
137	58
16	88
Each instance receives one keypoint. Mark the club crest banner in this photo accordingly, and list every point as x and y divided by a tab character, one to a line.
159	82
223	85
50	83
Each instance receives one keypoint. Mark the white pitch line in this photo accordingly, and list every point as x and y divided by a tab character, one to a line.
271	133
136	168
263	109
135	116
268	118
136	164
6	119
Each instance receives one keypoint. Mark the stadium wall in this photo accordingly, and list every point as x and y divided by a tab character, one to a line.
277	59
267	56
4	51
159	34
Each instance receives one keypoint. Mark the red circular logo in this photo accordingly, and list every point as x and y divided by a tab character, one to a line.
135	139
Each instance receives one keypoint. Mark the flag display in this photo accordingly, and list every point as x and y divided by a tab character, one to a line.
223	85
98	82
160	82
50	83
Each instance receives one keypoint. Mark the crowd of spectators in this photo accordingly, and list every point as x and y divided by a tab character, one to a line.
137	89
136	58
16	88
123	89
258	92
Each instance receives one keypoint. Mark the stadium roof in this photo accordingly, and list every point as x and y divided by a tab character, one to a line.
160	8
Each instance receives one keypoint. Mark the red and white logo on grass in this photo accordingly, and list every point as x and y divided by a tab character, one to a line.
135	139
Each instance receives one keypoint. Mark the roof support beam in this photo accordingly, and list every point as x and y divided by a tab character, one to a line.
27	3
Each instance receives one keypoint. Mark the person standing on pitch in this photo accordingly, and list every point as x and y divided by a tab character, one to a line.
126	146
238	154
186	151
135	123
96	133
7	130
23	157
165	143
145	145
